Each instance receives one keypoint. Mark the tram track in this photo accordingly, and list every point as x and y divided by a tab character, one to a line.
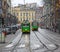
52	35
27	44
24	45
55	39
40	40
30	44
49	39
16	45
29	49
43	43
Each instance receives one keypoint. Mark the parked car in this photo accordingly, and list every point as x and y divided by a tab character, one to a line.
10	29
6	30
18	26
42	25
13	29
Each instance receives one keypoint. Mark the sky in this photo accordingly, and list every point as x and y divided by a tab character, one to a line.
16	2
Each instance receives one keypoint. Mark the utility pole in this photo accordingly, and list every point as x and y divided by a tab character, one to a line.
24	2
24	10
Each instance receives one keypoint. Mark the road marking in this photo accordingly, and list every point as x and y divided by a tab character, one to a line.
22	46
36	46
8	46
51	46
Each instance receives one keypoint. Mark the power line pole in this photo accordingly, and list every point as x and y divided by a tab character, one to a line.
24	2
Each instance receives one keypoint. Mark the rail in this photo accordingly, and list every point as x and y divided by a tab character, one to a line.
12	45
44	44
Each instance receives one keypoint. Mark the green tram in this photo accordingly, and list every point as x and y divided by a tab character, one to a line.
34	26
25	27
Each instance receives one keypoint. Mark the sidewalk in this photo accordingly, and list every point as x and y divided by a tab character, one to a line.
8	39
53	30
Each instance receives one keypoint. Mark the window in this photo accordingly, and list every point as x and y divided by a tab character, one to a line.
26	14
32	18
9	0
29	18
4	3
20	14
29	14
21	19
17	14
23	14
14	14
32	14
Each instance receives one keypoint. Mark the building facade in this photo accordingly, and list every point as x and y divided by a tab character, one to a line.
39	13
15	11
0	8
6	11
27	14
23	13
9	6
48	11
4	8
51	14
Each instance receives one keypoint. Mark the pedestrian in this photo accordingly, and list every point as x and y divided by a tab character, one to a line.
55	27
59	27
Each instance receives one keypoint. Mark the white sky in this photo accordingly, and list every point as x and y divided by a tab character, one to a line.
16	2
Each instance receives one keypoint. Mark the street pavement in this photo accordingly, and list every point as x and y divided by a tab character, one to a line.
51	36
42	40
9	38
